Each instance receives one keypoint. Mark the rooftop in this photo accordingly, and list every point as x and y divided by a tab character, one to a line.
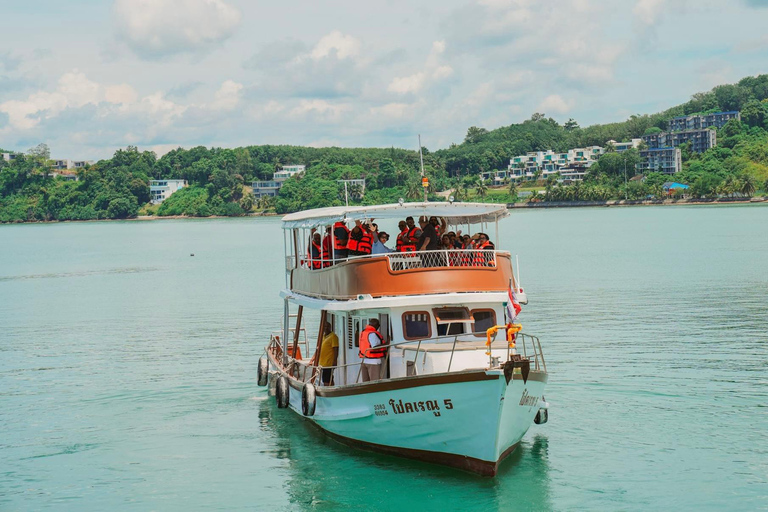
455	213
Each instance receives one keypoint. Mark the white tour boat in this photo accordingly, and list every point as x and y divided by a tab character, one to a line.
460	384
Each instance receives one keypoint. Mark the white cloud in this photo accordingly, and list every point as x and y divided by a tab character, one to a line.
74	90
407	84
122	93
433	71
227	97
554	104
162	27
343	46
648	11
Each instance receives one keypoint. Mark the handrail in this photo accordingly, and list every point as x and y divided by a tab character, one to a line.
400	261
522	341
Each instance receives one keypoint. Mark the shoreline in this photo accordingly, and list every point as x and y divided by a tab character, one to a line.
511	206
641	202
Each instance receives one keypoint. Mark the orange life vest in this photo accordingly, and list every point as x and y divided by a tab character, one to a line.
340	243
315	253
352	244
483	258
404	243
365	245
365	346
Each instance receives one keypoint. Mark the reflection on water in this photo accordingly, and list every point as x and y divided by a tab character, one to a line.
327	475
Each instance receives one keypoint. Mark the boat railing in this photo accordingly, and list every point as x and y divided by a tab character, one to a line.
525	345
403	261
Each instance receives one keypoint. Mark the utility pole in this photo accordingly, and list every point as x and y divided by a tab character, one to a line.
421	157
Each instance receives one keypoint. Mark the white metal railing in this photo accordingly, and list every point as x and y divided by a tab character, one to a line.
400	261
526	345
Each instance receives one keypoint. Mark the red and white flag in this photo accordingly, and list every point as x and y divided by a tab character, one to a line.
513	308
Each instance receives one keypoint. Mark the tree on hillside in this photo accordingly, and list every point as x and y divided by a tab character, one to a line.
571	125
748	185
475	135
40	156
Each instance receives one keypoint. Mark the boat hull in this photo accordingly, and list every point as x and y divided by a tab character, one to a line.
469	420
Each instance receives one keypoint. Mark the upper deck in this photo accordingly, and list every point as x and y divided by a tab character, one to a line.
396	274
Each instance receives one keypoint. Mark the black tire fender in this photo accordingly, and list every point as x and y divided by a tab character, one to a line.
308	399
282	392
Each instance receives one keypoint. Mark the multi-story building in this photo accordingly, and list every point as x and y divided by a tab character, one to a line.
288	171
10	157
265	188
60	165
549	163
270	187
699	122
701	140
620	147
160	190
666	160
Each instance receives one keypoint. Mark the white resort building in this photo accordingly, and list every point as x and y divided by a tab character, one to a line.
160	190
270	187
571	164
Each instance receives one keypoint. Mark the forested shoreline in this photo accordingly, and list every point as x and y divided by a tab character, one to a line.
219	179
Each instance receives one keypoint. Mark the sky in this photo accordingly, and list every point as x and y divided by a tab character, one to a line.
90	76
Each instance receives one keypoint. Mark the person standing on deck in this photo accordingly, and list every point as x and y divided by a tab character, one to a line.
414	233
329	354
372	351
340	238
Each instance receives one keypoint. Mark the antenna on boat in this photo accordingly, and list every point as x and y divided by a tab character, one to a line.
421	157
517	264
346	194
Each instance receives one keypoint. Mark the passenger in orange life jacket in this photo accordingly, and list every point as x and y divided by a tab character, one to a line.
340	239
327	244
373	348
360	241
481	258
414	233
314	251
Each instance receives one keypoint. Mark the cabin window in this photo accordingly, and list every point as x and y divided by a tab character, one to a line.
483	319
451	321
416	325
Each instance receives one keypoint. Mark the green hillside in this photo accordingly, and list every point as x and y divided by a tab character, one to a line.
220	178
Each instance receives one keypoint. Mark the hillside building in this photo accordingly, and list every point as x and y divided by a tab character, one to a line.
573	162
269	188
700	122
701	140
666	160
160	190
620	147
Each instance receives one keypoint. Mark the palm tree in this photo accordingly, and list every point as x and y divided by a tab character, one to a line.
513	189
481	189
413	190
748	185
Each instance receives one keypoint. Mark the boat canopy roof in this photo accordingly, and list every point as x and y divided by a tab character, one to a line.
455	213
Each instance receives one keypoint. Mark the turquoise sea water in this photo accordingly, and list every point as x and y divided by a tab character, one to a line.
127	371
